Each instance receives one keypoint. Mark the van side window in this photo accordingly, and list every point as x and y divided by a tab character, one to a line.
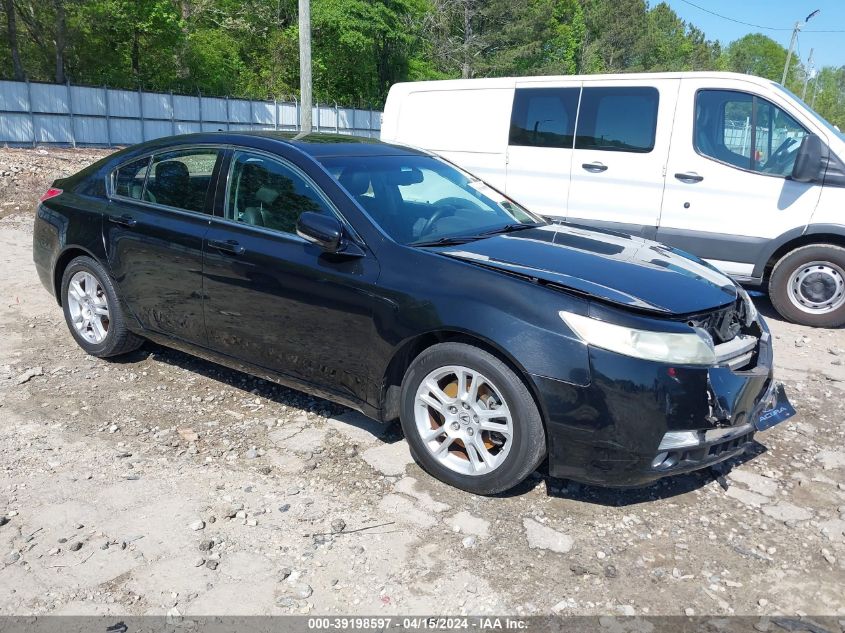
544	117
746	131
618	119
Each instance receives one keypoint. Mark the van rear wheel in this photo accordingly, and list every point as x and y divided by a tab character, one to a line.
807	286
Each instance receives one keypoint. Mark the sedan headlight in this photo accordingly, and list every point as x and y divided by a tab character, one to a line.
750	308
693	348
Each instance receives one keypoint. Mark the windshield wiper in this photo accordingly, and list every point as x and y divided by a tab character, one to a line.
510	228
447	241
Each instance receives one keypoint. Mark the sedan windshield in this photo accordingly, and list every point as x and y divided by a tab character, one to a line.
420	200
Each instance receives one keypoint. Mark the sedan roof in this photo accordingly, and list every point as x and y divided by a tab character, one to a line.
318	145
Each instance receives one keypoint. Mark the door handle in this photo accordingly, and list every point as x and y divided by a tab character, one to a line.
595	168
229	246
125	220
689	177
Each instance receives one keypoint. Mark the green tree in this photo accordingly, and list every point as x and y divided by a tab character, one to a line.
361	47
829	90
757	54
614	29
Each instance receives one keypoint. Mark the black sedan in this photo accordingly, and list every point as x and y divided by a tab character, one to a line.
389	280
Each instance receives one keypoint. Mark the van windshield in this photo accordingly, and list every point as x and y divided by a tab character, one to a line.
836	131
422	201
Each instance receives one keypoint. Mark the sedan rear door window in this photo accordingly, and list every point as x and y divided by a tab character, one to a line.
181	179
129	178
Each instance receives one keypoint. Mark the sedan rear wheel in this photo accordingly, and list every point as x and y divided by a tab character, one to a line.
92	311
88	307
470	420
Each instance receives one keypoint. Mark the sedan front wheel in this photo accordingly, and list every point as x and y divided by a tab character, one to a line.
469	419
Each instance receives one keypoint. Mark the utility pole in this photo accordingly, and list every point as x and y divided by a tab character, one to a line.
807	74
792	44
305	65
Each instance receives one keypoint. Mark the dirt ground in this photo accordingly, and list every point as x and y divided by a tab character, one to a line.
161	483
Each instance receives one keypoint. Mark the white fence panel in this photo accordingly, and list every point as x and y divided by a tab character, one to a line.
51	128
14	96
32	113
49	98
263	113
88	100
213	109
239	111
186	108
123	103
16	127
92	129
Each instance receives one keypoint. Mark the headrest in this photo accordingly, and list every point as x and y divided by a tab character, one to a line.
266	195
172	169
253	171
355	182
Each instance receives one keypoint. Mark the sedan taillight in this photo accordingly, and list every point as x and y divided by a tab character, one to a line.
52	192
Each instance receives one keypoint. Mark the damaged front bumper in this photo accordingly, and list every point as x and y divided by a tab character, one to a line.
639	420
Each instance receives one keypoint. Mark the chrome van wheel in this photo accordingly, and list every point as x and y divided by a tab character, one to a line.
817	287
807	285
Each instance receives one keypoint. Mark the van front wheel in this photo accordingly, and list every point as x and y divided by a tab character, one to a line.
807	285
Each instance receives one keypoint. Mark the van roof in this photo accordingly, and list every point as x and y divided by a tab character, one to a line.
509	82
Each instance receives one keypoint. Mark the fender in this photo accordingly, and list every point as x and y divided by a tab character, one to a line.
805	235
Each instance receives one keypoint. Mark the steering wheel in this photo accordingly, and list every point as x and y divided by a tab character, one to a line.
446	206
777	158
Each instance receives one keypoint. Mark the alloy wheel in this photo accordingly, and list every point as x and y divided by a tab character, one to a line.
88	306
463	420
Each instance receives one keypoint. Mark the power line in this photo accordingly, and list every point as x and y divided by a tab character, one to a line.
756	26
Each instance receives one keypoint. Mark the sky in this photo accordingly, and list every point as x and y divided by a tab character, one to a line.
829	48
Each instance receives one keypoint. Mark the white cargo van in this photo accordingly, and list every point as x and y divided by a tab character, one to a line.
732	168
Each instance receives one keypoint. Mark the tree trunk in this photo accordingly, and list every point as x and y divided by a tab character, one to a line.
136	55
466	65
61	41
12	32
185	9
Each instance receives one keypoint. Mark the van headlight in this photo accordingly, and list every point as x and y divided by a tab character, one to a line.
693	348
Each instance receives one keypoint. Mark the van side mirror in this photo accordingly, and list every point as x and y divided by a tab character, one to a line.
323	230
808	163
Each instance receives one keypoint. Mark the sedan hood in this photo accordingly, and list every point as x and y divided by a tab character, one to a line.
605	265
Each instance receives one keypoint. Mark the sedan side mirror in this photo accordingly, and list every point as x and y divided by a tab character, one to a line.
808	162
323	230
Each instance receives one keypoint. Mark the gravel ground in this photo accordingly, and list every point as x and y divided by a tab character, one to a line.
161	484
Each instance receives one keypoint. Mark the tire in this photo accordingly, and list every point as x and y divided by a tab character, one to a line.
817	270
107	334
508	461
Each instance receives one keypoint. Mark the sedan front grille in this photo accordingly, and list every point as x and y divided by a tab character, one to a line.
722	325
